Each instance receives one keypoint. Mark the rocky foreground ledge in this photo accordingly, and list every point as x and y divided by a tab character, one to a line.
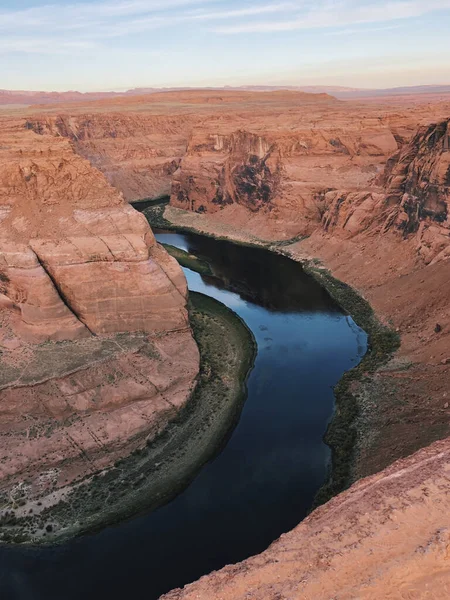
386	537
131	441
96	350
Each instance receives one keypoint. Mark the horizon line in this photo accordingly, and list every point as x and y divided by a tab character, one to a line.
222	87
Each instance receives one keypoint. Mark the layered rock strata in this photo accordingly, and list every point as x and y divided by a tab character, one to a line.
386	537
278	187
365	188
137	153
97	354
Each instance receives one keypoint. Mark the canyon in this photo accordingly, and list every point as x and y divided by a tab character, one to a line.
97	352
359	188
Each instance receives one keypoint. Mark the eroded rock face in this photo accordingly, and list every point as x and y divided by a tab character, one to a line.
96	351
418	182
80	407
308	180
386	537
75	258
281	173
137	153
243	168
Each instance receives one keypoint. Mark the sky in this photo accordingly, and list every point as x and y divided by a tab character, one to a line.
100	45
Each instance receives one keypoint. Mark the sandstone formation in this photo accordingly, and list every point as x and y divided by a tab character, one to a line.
96	349
138	154
280	173
71	246
320	177
386	537
362	188
389	238
417	181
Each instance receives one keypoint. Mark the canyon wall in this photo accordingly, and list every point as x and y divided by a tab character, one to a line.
386	537
373	208
96	350
361	190
69	237
137	153
280	184
280	175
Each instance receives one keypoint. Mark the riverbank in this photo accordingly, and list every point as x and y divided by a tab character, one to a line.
159	470
188	260
345	430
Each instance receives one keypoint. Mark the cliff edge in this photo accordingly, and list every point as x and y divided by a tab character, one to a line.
96	351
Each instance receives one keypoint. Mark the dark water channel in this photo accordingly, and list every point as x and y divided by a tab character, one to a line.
262	483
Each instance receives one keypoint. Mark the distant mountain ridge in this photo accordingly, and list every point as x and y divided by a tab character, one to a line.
27	97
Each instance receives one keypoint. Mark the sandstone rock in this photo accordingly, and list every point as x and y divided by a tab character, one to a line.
362	181
294	180
79	406
386	537
74	256
138	153
278	172
77	260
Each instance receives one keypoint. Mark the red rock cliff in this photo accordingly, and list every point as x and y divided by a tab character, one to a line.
277	184
73	255
96	351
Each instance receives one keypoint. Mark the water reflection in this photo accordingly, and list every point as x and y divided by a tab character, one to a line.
274	282
262	483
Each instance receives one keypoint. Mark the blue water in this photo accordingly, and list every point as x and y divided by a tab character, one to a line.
262	483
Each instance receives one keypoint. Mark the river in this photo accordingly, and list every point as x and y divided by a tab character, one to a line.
262	483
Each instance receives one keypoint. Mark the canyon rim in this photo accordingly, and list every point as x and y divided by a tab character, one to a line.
97	352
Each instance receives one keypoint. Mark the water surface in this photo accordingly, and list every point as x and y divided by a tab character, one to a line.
262	483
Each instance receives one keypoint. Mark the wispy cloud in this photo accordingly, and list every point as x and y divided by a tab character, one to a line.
364	30
84	26
326	14
45	46
47	27
53	13
63	17
243	12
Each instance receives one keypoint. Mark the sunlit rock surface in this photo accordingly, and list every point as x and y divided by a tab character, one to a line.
96	351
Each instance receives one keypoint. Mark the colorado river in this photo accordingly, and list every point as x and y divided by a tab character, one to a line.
262	483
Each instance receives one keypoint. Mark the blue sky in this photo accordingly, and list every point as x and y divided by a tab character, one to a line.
119	44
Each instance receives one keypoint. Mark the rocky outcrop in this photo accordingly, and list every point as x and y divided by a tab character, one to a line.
279	179
417	181
96	351
36	309
137	153
74	409
113	278
386	537
283	173
74	255
244	169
